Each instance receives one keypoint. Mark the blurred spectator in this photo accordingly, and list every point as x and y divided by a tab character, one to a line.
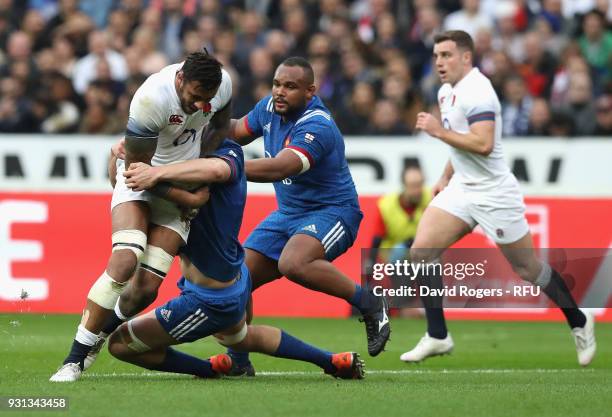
561	125
603	109
295	24
151	60
539	118
118	29
596	45
469	18
63	117
63	52
516	107
175	25
580	103
34	26
572	63
84	70
538	67
397	217
386	120
359	106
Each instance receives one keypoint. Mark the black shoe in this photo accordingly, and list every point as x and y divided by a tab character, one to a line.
377	327
237	370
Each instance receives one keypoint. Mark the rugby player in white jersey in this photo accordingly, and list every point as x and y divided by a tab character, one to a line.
168	115
477	187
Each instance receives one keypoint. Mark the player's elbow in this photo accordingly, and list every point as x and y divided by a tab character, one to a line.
486	148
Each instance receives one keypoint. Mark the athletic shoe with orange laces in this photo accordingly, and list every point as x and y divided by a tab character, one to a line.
221	364
348	366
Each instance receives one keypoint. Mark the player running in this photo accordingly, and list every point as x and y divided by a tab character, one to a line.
216	285
477	187
318	212
167	116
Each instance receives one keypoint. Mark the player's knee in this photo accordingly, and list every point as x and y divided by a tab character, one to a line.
117	345
293	268
128	249
105	291
420	254
122	265
156	261
526	271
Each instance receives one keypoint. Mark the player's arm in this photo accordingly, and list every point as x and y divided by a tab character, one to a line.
448	173
196	171
183	198
239	131
217	130
287	163
480	139
112	169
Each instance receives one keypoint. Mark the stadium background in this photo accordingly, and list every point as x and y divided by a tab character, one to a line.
68	70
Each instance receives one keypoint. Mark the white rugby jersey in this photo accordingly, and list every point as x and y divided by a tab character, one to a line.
471	100
155	112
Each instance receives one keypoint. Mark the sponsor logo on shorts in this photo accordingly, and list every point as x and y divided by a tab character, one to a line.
500	233
175	119
165	313
311	228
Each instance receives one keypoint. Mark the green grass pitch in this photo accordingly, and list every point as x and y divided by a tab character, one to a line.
497	369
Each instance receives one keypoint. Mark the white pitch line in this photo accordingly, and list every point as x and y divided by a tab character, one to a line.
368	372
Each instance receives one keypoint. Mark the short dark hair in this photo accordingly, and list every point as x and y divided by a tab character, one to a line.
462	39
298	61
203	68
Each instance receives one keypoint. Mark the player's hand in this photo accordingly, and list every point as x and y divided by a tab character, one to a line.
201	196
141	176
118	149
439	186
429	124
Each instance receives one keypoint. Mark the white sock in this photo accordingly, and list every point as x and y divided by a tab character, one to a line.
544	278
85	337
118	312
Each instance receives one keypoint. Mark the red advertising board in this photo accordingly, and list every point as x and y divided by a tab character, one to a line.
53	246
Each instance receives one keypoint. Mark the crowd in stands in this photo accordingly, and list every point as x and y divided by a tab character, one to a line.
72	66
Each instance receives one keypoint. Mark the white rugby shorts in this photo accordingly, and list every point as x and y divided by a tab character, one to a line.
498	208
163	213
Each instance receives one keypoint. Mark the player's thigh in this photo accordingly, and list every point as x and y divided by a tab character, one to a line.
300	250
130	215
163	245
437	230
169	216
270	236
324	234
261	268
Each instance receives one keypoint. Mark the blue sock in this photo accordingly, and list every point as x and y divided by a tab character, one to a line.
78	352
293	348
363	300
182	363
240	358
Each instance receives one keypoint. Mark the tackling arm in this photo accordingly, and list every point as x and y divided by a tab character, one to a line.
286	164
239	131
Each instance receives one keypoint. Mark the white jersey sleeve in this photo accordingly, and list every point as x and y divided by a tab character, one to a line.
473	100
148	114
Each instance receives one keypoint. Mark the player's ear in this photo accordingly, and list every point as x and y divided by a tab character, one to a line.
310	91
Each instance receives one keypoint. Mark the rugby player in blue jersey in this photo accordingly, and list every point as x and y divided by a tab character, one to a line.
216	285
318	212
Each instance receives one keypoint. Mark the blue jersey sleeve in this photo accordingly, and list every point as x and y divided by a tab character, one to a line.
314	138
256	118
231	153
